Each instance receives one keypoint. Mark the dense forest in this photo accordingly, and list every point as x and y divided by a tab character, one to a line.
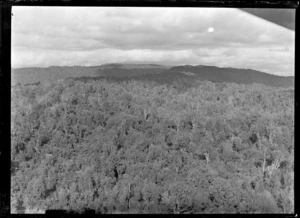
145	147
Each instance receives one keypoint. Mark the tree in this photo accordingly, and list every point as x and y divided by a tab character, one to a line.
222	194
179	198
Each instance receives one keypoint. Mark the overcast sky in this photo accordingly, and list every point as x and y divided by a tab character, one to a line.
66	36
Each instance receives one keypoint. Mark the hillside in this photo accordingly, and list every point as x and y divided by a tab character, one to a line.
129	70
37	74
240	76
33	75
151	72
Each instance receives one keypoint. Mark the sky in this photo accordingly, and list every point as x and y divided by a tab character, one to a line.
91	36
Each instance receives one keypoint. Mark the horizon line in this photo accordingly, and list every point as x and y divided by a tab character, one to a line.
148	63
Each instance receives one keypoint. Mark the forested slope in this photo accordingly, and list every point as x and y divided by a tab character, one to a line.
240	76
30	75
149	72
141	147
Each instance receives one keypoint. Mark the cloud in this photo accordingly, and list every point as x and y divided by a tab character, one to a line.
92	36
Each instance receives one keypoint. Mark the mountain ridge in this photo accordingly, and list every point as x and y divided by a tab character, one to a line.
148	71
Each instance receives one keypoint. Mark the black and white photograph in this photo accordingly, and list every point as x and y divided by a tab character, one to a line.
152	110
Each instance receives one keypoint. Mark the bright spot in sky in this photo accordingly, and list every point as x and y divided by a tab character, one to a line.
211	29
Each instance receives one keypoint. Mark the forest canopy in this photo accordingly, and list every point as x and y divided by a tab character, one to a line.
144	147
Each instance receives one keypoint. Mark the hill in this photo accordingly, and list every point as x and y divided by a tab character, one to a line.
240	76
151	72
129	70
31	75
231	75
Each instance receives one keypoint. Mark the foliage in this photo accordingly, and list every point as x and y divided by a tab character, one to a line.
141	147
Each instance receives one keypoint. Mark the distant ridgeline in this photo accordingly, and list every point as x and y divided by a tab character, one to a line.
150	72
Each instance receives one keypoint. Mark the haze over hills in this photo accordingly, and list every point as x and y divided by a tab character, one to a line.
152	72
